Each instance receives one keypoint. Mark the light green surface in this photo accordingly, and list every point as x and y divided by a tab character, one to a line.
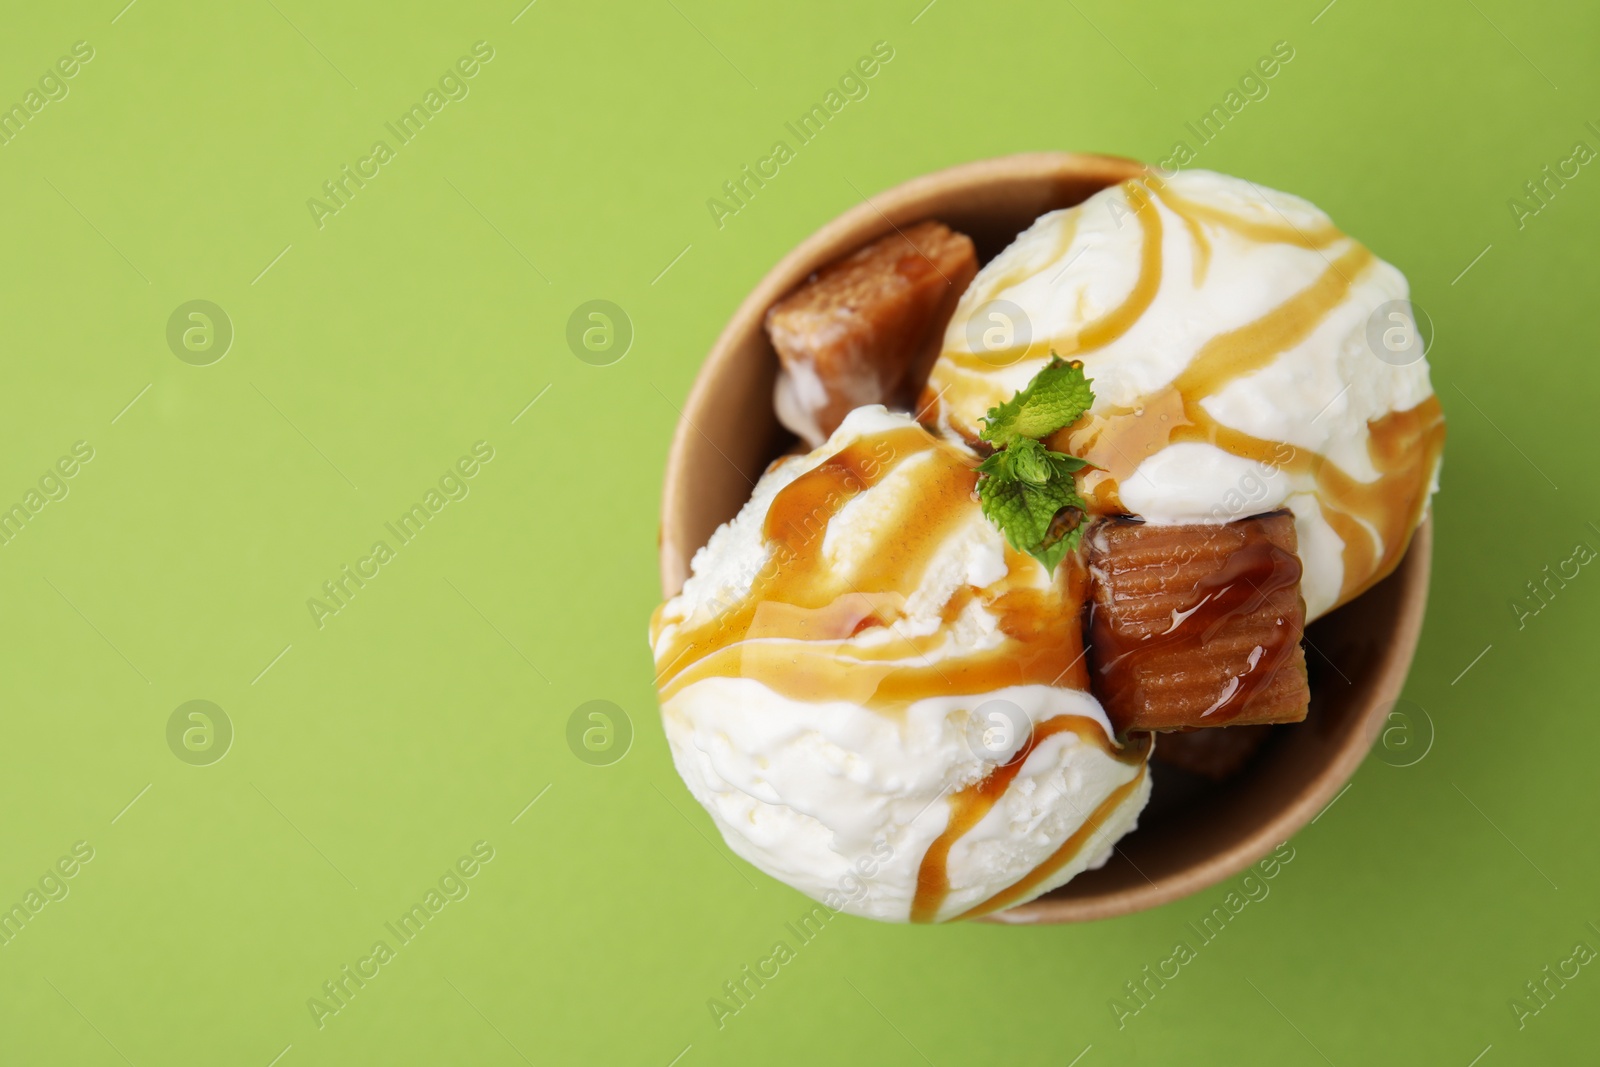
423	717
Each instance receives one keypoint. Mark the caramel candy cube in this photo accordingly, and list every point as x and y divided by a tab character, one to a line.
1215	753
1197	625
866	329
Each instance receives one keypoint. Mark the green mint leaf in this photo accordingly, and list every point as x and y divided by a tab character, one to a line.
1005	504
1024	488
996	464
1027	460
1058	396
1030	461
1044	520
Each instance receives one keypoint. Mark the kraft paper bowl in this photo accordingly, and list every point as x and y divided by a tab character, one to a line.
1194	834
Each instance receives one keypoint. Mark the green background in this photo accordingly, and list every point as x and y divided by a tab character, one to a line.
372	752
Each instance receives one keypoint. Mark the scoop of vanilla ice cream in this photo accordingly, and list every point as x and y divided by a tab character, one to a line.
843	792
1156	284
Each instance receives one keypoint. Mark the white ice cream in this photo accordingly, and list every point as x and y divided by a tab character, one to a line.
1239	255
1248	354
841	799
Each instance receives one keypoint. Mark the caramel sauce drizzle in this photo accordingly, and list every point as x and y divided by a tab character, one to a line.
1108	327
793	629
970	805
1064	854
1023	270
1243	351
1373	519
1403	447
1320	235
1197	233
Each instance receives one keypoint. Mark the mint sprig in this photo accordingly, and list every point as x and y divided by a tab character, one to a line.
1058	396
1025	489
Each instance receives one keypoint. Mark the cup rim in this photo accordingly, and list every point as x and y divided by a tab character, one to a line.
910	201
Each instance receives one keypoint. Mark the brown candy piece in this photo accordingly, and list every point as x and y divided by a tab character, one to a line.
1215	753
1197	625
866	329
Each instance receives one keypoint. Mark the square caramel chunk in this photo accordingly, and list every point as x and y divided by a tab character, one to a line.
867	328
1215	753
1197	625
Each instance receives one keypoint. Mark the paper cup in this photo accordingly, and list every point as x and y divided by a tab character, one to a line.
1192	835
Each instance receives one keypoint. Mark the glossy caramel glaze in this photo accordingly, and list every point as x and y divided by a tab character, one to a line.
1404	447
805	627
1375	519
815	629
1101	331
1193	625
794	630
1024	888
970	805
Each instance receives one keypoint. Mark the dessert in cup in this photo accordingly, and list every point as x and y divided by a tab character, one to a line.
1049	531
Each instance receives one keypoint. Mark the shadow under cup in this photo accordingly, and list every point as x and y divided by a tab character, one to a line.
1194	833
